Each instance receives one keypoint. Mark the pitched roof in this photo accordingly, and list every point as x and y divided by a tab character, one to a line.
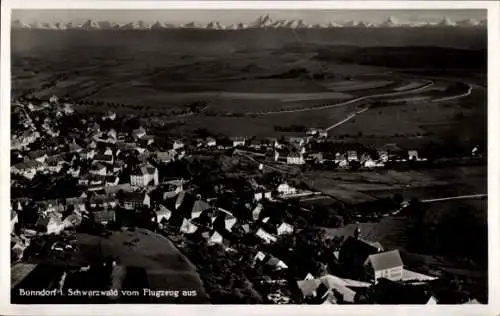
200	206
308	287
134	196
36	154
163	211
385	260
143	170
27	165
103	157
166	155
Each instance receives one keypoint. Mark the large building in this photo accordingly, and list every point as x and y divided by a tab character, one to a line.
144	176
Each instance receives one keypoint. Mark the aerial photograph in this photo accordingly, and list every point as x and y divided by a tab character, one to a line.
241	156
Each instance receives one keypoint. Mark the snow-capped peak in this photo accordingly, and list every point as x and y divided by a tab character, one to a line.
137	25
18	24
90	25
390	22
446	22
157	26
264	21
468	22
214	25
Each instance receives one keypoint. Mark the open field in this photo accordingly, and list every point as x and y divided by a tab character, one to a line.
356	85
357	187
256	72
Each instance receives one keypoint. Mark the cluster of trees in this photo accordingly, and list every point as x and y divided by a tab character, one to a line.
224	274
308	251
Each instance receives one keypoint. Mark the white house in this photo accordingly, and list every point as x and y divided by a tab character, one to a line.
386	264
284	228
98	169
256	212
187	227
413	155
177	145
229	222
50	225
216	238
259	257
286	189
144	176
323	133
109	116
265	236
295	159
262	195
239	141
211	142
163	213
352	155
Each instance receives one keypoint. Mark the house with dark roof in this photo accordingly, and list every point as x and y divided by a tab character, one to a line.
102	200
103	217
38	155
28	169
387	265
133	200
354	253
139	132
50	224
98	169
108	159
166	156
143	176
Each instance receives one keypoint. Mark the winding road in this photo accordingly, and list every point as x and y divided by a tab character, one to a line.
353	115
460	197
428	84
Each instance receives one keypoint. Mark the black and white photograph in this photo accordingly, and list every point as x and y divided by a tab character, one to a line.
248	156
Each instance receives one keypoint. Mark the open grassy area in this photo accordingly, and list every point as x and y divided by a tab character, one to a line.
356	187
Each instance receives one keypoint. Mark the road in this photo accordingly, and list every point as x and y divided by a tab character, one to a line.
469	91
348	118
353	115
328	106
460	197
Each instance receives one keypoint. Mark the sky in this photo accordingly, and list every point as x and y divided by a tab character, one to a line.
245	16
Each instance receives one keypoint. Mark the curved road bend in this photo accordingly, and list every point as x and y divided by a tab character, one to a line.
353	115
469	91
316	108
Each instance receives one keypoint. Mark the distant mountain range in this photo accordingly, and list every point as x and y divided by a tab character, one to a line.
262	22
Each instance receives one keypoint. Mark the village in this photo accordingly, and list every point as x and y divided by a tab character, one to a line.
97	175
